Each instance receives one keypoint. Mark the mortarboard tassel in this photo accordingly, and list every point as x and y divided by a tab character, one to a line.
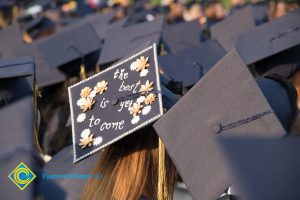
98	68
15	12
162	50
162	189
36	138
2	20
82	72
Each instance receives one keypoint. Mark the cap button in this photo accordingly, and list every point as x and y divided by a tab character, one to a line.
217	128
114	101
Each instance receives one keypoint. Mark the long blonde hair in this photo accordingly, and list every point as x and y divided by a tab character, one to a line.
130	171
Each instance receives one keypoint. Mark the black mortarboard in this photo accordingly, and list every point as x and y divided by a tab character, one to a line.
265	168
99	21
282	97
83	8
191	64
14	84
10	38
121	41
61	164
226	101
38	25
270	38
181	36
227	30
4	4
284	63
44	75
128	96
69	45
16	146
260	12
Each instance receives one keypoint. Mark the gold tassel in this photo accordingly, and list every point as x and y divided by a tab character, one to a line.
82	72
2	20
15	12
36	138
162	188
98	68
162	50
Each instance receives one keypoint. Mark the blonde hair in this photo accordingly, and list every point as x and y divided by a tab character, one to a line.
130	171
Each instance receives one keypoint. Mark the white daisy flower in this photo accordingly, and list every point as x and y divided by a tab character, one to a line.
93	94
141	99
81	102
97	141
144	72
135	120
133	66
146	110
85	133
81	117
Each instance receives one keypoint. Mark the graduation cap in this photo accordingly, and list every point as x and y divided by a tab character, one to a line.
227	30
226	101
264	168
16	145
128	96
13	81
284	63
100	22
270	38
282	96
35	27
83	8
44	75
121	41
192	63
10	38
4	4
260	12
182	35
69	45
62	163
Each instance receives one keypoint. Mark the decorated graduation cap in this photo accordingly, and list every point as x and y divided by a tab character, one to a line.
269	38
115	103
129	38
68	45
191	64
226	31
13	79
264	168
226	101
181	36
